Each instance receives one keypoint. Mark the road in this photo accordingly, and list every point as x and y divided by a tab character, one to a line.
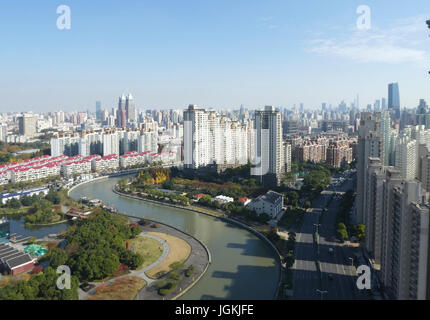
306	278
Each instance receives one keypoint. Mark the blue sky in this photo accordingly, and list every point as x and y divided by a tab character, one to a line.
214	53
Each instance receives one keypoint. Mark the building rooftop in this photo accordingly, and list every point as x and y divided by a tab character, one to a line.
18	261
271	197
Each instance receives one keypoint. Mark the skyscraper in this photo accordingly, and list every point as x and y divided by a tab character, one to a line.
394	100
130	109
393	95
122	114
98	110
268	128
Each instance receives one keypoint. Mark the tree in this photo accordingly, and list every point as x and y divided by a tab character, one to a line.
53	197
360	231
14	203
342	232
58	257
289	260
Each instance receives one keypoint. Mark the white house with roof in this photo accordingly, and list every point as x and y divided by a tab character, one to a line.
270	203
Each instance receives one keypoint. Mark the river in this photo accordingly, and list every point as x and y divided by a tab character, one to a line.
243	267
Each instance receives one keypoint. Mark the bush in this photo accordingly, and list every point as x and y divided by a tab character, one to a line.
167	288
176	265
174	276
189	271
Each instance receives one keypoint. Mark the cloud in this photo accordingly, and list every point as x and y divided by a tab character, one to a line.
403	42
268	23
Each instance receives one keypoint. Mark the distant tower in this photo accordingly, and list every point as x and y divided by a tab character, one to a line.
130	108
121	117
394	99
98	110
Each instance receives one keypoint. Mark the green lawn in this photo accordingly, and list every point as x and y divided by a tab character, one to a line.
148	248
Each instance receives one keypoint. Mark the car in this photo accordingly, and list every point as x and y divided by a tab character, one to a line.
330	276
331	251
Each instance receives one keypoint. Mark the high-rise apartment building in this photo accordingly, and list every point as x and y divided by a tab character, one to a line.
211	138
405	241
407	157
370	144
268	129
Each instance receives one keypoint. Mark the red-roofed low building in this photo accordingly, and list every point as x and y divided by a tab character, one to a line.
4	177
132	159
199	196
110	162
75	167
244	201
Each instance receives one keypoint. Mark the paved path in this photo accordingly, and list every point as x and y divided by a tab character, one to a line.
198	258
137	273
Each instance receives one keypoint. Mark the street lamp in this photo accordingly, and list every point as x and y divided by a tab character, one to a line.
321	292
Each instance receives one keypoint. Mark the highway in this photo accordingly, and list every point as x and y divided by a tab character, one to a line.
306	279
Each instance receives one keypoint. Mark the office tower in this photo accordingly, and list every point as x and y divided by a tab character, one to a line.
377	105
291	127
394	100
393	96
27	125
383	103
99	110
130	109
122	114
3	132
268	128
422	115
370	144
406	157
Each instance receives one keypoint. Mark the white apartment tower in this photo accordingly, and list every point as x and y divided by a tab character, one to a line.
211	138
407	157
268	129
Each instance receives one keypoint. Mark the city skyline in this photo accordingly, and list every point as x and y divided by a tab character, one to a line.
252	54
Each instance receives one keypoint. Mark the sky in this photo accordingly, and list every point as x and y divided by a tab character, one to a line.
213	53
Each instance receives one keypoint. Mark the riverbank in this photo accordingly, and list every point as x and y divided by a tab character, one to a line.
45	224
237	254
194	209
222	218
199	258
150	292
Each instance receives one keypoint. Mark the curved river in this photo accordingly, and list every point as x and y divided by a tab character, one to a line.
243	266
